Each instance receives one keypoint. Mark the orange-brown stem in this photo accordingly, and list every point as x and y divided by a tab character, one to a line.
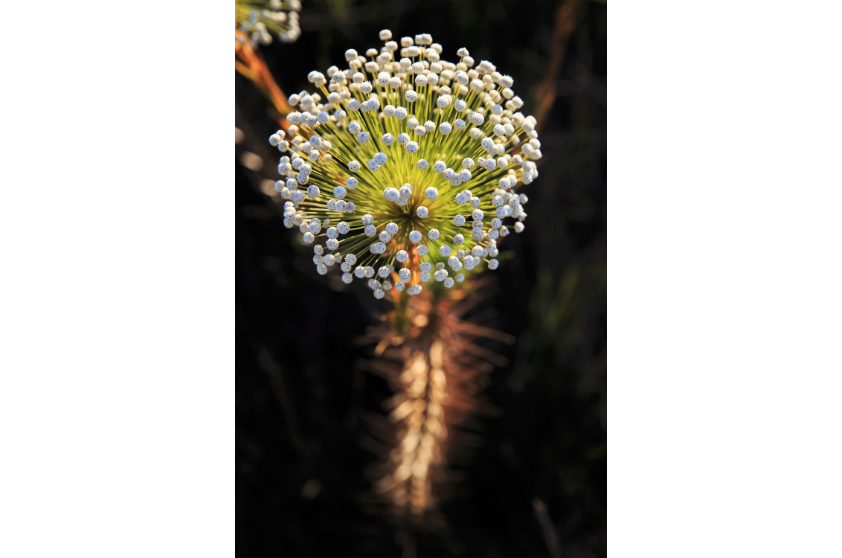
252	66
426	351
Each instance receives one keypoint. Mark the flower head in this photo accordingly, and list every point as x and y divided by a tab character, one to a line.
406	166
262	18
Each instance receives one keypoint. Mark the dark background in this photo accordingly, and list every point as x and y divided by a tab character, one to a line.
302	397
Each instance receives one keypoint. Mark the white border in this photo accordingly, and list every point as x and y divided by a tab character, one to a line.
725	291
117	314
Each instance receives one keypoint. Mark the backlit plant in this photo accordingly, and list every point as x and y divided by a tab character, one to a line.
261	19
405	167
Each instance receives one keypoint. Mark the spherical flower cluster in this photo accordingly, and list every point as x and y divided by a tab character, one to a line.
262	18
405	166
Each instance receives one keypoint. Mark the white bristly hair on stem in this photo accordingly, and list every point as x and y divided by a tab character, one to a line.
263	18
462	150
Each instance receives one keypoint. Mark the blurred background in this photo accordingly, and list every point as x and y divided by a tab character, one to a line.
535	484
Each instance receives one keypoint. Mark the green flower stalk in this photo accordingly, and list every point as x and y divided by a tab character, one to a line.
261	18
406	167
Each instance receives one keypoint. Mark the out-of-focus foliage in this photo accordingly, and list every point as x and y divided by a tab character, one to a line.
303	404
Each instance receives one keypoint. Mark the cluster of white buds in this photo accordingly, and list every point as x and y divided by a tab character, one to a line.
263	18
406	165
